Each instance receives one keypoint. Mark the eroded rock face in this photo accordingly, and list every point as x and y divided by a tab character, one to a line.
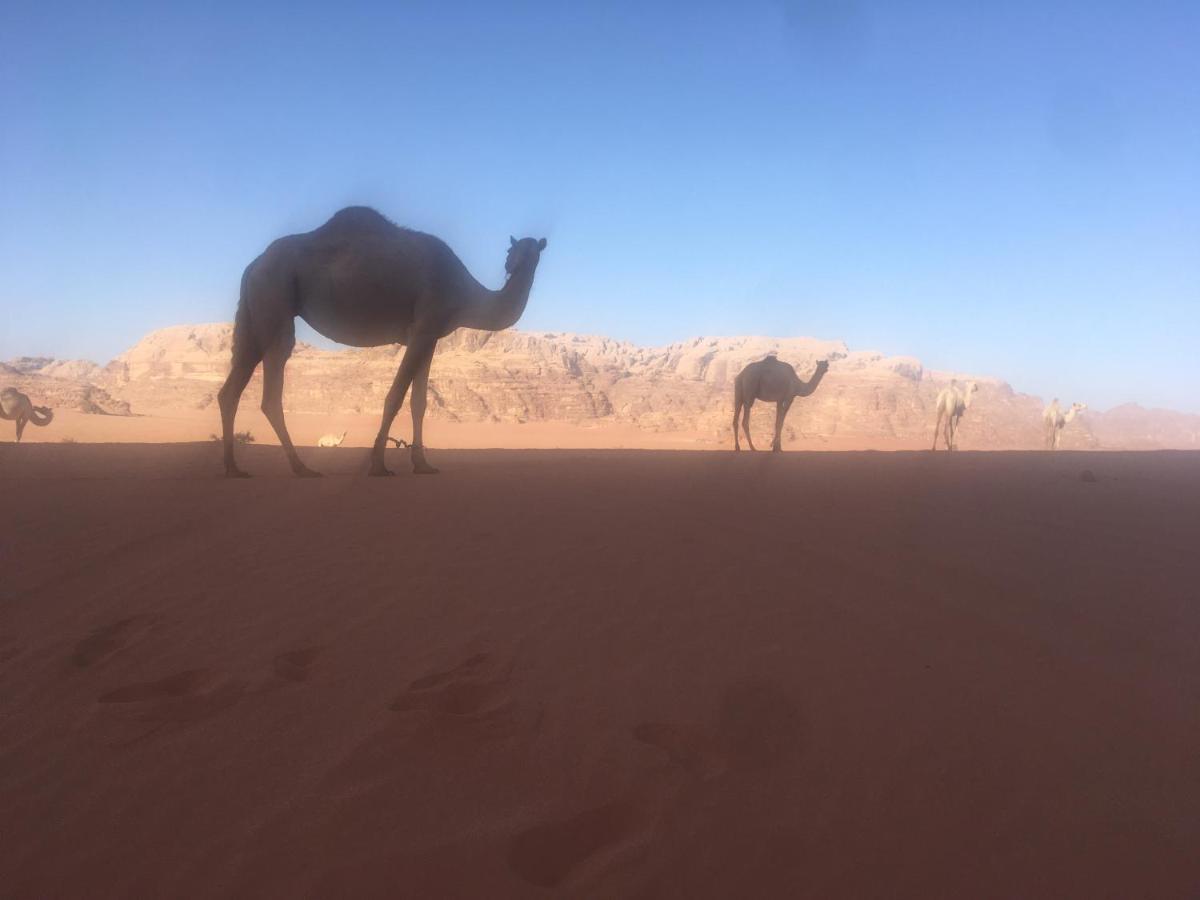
520	376
60	393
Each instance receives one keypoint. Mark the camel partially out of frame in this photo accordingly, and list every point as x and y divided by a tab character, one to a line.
16	407
770	380
1054	420
362	280
952	402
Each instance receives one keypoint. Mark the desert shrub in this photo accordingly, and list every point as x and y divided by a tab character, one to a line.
242	437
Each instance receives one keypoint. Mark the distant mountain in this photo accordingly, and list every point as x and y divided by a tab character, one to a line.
518	376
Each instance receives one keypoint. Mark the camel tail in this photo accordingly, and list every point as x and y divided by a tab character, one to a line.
41	416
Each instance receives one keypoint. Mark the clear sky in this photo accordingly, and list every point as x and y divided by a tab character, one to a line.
1003	188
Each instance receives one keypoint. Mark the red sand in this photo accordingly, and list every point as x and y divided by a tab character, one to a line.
599	674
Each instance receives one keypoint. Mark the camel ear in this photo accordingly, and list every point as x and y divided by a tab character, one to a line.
512	241
542	244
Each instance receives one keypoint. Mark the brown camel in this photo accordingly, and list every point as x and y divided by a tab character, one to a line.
15	406
770	380
362	280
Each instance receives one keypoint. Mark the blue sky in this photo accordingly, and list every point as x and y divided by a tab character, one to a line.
1004	188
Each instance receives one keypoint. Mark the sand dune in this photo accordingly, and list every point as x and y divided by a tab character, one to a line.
599	674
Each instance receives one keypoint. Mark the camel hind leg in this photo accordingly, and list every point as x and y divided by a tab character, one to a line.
246	357
737	411
937	428
274	361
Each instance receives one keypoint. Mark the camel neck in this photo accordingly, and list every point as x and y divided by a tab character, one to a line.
804	388
497	310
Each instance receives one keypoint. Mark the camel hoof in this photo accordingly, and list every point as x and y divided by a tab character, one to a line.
235	472
424	469
306	472
380	472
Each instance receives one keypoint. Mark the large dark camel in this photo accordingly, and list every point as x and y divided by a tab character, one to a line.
362	280
770	380
16	407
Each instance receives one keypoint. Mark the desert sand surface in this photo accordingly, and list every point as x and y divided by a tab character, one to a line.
183	426
599	674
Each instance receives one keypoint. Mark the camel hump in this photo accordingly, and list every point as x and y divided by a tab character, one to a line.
360	220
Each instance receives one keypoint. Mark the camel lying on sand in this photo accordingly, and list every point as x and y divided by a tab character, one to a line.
15	406
770	380
331	440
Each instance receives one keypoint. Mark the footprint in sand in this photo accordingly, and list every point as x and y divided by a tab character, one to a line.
108	640
757	726
295	665
9	649
546	854
181	698
688	747
475	692
470	688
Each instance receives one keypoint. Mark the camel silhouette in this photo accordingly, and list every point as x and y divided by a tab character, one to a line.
362	280
1055	420
15	406
770	380
952	402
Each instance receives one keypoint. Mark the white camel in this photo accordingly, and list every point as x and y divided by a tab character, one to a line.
952	402
331	440
1055	420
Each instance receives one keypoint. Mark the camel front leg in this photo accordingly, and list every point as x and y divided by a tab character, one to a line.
737	410
937	429
420	389
746	424
952	433
414	359
781	411
21	420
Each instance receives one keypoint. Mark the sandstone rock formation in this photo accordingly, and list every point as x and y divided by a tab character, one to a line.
520	376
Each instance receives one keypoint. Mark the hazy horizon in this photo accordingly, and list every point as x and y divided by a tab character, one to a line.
1011	192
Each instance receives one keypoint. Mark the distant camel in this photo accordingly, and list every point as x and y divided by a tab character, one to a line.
362	280
1055	420
952	402
331	440
770	380
16	406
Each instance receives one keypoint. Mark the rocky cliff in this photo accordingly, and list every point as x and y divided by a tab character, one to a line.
517	376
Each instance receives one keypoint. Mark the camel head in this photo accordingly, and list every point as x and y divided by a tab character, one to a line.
822	366
526	251
1079	407
971	389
